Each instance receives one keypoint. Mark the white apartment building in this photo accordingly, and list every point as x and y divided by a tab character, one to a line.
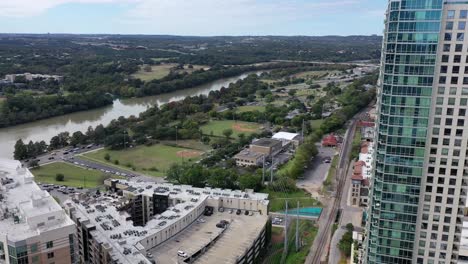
33	227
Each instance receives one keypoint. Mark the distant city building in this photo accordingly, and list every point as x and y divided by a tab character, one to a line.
138	221
293	114
29	77
33	226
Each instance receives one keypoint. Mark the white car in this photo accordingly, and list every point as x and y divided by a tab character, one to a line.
180	253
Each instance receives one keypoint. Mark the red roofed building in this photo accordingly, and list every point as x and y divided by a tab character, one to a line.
330	141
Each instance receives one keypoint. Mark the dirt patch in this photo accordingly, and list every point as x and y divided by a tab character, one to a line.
189	153
277	238
242	128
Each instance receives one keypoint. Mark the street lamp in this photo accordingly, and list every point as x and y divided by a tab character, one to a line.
124	143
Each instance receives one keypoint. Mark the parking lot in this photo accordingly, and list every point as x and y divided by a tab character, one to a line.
239	235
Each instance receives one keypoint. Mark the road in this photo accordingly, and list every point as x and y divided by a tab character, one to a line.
317	171
319	247
350	214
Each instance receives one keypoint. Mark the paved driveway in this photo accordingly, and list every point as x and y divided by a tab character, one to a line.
317	172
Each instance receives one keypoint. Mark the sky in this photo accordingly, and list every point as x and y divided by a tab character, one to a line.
194	17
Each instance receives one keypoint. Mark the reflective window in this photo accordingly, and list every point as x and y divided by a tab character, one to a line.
448	36
449	25
463	13
461	25
451	14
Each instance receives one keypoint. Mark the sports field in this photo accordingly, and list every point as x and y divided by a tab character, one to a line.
74	176
250	108
216	128
157	72
153	160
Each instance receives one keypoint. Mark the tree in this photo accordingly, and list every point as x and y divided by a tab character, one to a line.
59	177
227	132
292	92
78	138
33	164
347	240
249	181
107	157
21	151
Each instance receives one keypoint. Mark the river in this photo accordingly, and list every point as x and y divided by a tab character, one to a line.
80	121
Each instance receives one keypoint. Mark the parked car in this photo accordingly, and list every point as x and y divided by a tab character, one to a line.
238	212
181	253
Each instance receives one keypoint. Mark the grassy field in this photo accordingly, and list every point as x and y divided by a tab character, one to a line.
153	160
331	172
191	144
216	128
307	233
314	74
74	176
249	108
277	200
161	59
315	124
157	72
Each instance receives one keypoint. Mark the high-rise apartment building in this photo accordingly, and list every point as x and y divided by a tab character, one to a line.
34	228
420	177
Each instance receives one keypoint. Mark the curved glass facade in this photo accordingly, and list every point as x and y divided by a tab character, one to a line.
409	54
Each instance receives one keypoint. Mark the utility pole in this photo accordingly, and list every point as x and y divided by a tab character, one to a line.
263	171
297	227
271	170
285	250
302	132
176	135
125	145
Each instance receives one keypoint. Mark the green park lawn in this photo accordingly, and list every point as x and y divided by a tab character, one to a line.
153	160
315	124
278	200
250	108
216	128
74	176
157	72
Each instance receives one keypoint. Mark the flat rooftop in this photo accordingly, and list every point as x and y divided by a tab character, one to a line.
114	230
187	191
266	142
25	209
239	235
247	153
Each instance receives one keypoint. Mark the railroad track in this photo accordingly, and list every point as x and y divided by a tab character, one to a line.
315	256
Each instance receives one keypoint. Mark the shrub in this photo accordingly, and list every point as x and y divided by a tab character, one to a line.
59	177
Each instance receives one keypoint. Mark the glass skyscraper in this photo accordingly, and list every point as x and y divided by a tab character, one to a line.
419	180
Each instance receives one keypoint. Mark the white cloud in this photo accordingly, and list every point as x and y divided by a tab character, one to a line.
201	17
211	17
27	8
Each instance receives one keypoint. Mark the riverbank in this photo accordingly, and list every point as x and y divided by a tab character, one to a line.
80	121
